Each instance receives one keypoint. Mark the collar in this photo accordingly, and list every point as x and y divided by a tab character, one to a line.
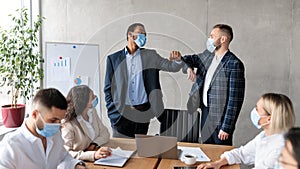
27	134
137	52
221	57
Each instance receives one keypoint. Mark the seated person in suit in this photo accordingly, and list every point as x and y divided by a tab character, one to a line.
37	143
290	155
83	131
274	113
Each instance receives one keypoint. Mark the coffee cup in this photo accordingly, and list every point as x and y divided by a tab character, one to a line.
189	159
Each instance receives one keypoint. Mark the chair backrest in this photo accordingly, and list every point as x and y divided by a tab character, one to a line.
180	124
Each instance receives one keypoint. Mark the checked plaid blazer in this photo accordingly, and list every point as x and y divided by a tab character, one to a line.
225	93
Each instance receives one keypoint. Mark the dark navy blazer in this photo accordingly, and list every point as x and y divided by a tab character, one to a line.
115	87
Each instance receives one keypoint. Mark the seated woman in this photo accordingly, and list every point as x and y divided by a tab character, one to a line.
275	114
290	155
83	131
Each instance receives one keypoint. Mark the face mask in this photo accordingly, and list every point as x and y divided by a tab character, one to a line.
210	46
255	117
49	130
140	41
95	102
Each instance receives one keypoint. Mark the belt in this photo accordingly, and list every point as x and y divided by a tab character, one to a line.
141	107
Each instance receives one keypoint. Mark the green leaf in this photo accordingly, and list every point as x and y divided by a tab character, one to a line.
20	66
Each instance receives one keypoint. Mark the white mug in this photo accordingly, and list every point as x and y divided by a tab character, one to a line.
189	159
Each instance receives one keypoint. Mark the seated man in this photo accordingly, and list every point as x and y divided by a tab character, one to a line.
290	155
37	143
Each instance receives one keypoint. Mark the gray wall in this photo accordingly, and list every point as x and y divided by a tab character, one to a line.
265	39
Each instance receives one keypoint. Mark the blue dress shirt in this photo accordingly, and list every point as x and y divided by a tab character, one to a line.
136	93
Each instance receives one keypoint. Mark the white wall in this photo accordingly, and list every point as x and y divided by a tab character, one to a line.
266	37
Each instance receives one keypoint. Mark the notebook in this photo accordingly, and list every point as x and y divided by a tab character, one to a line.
118	158
157	146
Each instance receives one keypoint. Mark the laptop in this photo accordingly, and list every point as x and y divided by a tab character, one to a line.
157	146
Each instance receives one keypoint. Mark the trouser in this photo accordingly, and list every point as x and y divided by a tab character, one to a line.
209	131
128	127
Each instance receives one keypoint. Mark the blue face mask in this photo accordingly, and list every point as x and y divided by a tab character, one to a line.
49	130
255	117
95	102
210	46
140	41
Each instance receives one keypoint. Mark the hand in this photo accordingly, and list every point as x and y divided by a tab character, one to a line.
223	135
191	75
103	152
175	55
215	165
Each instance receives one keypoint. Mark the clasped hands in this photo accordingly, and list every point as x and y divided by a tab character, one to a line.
176	56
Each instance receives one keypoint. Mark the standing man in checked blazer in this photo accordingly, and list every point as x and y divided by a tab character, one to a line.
132	89
219	86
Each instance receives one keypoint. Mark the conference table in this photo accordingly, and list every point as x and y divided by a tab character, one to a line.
136	162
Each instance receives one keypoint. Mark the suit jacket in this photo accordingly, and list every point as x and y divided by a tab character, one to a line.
115	87
226	90
77	140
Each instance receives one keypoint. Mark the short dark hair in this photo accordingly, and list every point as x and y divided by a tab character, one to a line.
225	29
50	98
293	135
77	99
132	27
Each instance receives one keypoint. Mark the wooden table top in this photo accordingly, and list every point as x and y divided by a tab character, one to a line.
135	162
211	150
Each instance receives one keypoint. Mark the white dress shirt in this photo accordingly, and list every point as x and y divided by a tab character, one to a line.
22	150
263	151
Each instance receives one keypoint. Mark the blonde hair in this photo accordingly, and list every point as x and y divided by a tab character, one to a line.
281	110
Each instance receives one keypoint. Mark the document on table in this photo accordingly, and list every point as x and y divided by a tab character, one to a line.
118	158
196	151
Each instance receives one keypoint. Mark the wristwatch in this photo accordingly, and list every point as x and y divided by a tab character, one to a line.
81	163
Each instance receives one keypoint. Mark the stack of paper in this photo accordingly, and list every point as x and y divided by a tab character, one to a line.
197	152
118	158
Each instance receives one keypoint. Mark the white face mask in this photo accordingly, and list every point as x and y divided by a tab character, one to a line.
255	117
210	46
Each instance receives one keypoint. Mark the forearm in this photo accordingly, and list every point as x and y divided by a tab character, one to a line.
83	155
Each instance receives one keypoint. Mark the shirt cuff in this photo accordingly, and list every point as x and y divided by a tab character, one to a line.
227	156
178	62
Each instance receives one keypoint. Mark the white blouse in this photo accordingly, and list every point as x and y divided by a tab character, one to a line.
89	124
263	151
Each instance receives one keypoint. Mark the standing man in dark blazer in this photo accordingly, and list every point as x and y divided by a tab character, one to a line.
219	88
132	89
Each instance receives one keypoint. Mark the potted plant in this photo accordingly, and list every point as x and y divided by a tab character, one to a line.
20	64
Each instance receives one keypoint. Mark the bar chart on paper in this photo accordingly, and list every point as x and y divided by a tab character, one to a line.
60	69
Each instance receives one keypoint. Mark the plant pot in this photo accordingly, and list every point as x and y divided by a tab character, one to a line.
13	116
